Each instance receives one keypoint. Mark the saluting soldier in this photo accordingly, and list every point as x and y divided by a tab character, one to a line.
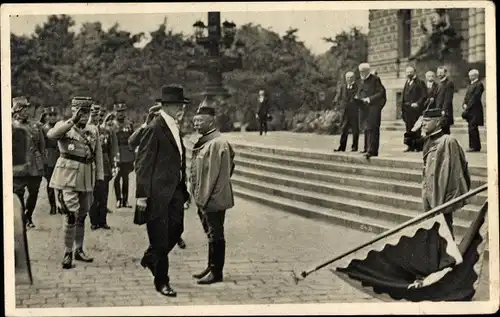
99	210
125	157
50	117
78	169
30	176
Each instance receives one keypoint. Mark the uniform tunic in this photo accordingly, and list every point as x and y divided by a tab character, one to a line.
109	148
51	147
70	174
36	152
123	131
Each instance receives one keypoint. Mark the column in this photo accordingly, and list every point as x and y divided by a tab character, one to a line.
480	35
472	35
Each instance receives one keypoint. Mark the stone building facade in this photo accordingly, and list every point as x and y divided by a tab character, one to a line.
394	35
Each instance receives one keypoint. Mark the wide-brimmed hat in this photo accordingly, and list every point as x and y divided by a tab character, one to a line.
81	102
173	94
20	103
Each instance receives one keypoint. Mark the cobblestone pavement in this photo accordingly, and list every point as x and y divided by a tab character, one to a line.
264	246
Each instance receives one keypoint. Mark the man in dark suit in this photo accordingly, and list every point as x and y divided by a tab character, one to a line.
263	111
432	87
372	94
444	99
473	110
414	93
161	186
350	108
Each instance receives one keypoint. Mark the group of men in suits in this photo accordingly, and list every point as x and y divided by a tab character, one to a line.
366	98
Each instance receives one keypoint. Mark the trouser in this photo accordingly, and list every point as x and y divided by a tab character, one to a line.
98	210
75	206
474	138
410	120
124	169
164	233
446	129
213	225
50	191
372	140
351	122
262	124
32	184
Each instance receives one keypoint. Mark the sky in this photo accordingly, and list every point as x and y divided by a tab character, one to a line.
312	25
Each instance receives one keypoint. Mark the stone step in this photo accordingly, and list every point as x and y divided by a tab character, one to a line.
376	204
380	181
404	170
387	217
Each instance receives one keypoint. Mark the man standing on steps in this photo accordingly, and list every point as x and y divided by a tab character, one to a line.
51	155
372	94
161	186
263	111
30	176
350	108
125	157
432	87
78	170
211	169
473	110
414	96
445	174
444	99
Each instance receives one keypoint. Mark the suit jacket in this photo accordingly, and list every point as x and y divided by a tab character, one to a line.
430	100
263	109
473	113
159	168
444	100
348	104
373	89
414	93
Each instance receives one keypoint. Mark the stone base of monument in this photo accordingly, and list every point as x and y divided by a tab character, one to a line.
21	253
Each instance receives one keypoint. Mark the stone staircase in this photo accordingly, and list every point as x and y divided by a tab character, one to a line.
340	188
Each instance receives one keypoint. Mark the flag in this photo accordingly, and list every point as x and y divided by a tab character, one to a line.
419	263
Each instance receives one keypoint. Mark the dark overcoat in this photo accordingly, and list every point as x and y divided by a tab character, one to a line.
160	170
430	100
372	88
444	100
414	93
347	103
473	113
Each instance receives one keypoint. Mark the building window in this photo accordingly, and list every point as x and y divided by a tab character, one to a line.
404	33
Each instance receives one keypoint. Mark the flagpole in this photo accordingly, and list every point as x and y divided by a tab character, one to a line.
429	213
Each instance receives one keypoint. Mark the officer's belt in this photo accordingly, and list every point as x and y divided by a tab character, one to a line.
84	160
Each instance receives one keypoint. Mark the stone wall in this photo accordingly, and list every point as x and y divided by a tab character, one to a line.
383	52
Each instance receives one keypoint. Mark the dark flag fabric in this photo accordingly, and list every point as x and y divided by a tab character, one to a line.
421	262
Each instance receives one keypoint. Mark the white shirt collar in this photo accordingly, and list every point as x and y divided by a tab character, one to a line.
172	125
475	80
444	78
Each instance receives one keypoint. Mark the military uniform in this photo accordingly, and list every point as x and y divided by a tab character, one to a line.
30	176
77	170
124	159
99	210
51	156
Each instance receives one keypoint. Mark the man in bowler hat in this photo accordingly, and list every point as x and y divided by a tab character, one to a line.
161	186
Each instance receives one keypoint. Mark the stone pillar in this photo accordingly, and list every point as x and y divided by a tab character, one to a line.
480	36
472	35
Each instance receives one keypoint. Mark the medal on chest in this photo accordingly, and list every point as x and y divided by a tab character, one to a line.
71	147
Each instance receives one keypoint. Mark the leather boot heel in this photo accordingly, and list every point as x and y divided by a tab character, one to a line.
67	262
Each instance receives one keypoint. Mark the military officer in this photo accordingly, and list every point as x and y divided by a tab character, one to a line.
30	176
98	211
78	169
51	154
125	156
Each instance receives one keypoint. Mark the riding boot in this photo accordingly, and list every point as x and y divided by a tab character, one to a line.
217	267
207	270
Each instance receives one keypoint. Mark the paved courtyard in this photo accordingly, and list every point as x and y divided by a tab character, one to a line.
264	246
